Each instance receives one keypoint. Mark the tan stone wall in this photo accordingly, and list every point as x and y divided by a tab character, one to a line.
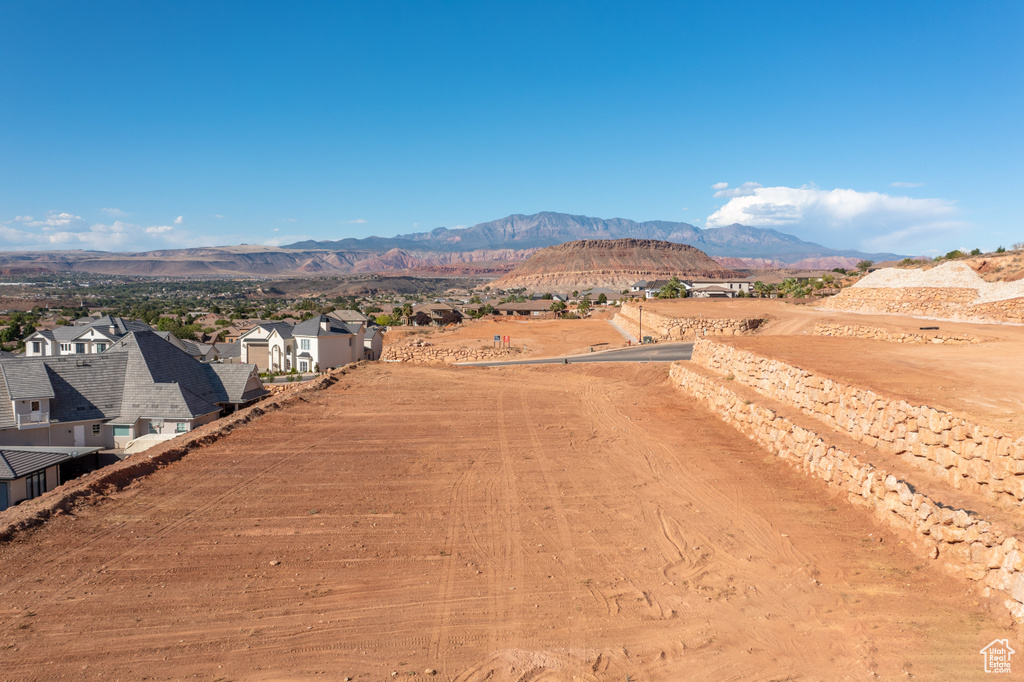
966	454
864	332
947	304
969	546
665	328
422	352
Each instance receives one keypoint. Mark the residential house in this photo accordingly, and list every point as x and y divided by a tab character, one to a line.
27	472
536	309
373	343
87	335
140	385
718	288
437	313
317	344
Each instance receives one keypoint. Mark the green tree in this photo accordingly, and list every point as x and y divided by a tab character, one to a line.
864	265
671	289
602	299
583	307
557	306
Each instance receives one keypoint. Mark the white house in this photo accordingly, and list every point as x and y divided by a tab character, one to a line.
317	344
87	336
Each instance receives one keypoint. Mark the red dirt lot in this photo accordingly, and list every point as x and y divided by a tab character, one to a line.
536	338
519	523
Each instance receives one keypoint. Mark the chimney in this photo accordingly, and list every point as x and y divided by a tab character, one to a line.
325	324
113	330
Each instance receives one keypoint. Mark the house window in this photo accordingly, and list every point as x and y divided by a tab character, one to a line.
4	498
35	406
303	366
100	347
35	484
121	431
181	427
79	348
37	347
152	428
65	348
303	344
95	429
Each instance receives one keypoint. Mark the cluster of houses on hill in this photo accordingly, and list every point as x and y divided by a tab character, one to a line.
82	392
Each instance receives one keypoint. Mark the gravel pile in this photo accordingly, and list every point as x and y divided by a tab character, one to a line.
952	275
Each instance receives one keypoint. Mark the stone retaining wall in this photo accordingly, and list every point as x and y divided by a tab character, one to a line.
664	328
966	454
864	332
968	546
947	304
418	352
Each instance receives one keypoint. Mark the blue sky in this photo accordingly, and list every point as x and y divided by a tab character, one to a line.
143	125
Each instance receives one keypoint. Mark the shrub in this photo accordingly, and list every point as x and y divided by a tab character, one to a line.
975	252
1001	249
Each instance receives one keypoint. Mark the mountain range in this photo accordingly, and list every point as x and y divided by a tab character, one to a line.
491	248
764	246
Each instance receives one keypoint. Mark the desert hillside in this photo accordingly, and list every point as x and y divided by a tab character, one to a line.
615	264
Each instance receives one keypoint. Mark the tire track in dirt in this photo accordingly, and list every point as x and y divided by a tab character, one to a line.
192	512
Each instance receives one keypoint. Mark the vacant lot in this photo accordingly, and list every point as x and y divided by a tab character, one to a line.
506	524
536	338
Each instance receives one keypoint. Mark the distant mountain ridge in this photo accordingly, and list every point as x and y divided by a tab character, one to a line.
549	229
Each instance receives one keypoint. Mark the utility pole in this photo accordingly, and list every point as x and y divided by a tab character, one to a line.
641	325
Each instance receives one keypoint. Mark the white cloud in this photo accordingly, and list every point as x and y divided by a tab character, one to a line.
61	230
357	221
845	218
114	212
23	218
179	220
59	220
217	215
907	185
744	190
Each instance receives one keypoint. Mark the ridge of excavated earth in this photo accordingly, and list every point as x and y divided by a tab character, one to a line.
578	522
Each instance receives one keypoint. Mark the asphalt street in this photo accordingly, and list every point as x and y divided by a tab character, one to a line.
661	352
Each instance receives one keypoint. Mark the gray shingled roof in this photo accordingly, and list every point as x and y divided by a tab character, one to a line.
197	388
86	387
21	461
140	376
26	380
312	327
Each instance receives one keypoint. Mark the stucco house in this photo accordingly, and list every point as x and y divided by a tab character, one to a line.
86	336
318	343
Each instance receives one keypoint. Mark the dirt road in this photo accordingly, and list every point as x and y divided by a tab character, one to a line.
501	524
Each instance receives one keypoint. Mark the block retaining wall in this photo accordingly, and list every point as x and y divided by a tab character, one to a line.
417	354
664	328
860	331
966	454
967	545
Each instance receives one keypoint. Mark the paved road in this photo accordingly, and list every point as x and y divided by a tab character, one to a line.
662	352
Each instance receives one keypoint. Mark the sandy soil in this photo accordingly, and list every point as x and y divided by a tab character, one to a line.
521	523
536	338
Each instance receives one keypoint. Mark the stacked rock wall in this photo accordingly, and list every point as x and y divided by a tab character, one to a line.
864	332
418	352
969	546
664	328
946	304
966	454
